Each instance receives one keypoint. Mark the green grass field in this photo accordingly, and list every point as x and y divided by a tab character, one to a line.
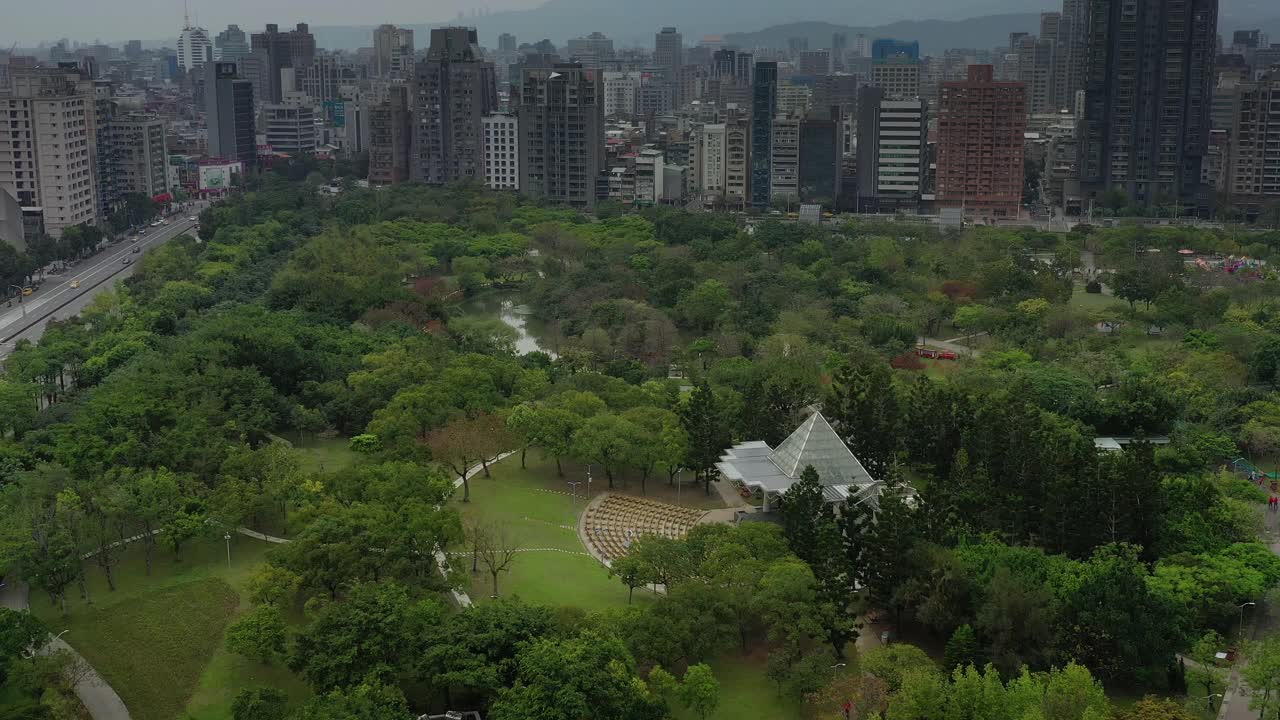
745	692
537	510
158	639
1091	301
323	454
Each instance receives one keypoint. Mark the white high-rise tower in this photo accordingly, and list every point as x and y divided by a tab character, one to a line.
194	47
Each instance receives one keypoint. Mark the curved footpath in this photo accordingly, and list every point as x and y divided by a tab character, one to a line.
442	562
99	699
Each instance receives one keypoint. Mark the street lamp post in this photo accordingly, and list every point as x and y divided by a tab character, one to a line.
1208	699
679	484
1242	607
24	307
574	484
227	537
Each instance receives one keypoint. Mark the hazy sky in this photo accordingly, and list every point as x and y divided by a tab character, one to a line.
28	22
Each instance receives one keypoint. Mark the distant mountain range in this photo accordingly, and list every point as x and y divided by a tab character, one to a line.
756	23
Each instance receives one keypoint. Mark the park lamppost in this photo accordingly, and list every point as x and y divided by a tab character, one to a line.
1208	699
1242	607
574	484
227	537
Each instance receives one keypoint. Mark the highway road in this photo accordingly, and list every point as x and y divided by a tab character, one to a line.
57	300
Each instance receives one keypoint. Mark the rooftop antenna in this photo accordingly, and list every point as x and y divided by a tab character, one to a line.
186	19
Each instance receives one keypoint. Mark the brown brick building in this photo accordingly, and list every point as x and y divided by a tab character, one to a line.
981	124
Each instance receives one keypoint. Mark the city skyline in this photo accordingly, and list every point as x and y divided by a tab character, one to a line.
29	24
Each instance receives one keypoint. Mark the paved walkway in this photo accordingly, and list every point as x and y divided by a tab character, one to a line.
955	345
1235	700
99	699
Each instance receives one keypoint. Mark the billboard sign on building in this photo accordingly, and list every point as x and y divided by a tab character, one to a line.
218	177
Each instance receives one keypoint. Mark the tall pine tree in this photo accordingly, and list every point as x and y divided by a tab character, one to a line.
863	408
704	421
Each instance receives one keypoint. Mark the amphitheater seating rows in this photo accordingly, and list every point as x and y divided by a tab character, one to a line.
616	521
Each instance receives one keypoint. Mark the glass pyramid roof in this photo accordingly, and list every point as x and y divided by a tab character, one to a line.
816	443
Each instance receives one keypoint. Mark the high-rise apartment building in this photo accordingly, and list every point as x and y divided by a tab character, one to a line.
815	62
1148	89
1254	165
620	92
392	51
981	131
229	114
137	140
290	129
1035	71
501	151
562	133
231	44
899	78
48	145
194	47
861	46
839	48
454	90
110	194
668	50
592	49
784	160
507	42
390	136
712	160
895	67
892	151
764	103
1073	33
283	50
325	78
737	162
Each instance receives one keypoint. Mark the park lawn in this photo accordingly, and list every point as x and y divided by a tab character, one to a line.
536	508
1091	301
158	639
551	578
745	691
324	454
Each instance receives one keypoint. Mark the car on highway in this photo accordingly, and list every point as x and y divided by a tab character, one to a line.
125	260
157	223
75	284
192	218
136	249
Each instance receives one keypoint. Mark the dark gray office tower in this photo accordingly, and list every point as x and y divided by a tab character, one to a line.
764	103
507	42
229	114
562	133
1148	90
289	49
821	152
454	88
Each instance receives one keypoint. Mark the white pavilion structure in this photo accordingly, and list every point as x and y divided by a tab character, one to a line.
773	471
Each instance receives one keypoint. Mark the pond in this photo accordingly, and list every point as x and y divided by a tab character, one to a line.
532	335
